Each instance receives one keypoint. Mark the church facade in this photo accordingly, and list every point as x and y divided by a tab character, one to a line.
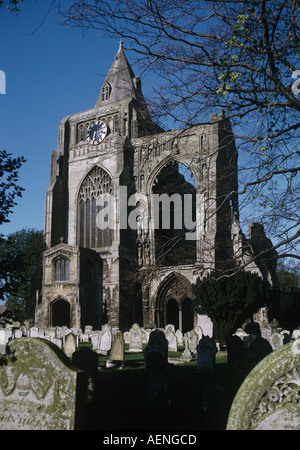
135	214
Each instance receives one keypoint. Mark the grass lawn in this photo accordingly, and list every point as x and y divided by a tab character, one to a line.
198	403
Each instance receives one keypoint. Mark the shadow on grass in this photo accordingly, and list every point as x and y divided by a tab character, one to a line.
198	403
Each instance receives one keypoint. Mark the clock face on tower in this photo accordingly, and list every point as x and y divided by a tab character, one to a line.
96	132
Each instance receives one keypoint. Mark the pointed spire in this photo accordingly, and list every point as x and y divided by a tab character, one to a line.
120	82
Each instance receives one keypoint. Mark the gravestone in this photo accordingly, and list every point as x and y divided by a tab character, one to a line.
34	332
193	341
116	359
159	373
186	355
269	398
257	350
253	328
3	341
105	340
87	360
126	337
172	340
95	339
18	334
234	346
179	336
276	340
39	388
206	350
296	334
135	339
70	345
266	330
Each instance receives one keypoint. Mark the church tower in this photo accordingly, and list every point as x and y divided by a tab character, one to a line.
115	177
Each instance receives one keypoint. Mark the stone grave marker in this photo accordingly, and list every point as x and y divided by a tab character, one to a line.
18	334
276	340
234	346
87	360
105	340
116	358
135	339
3	341
193	341
39	388
269	398
34	331
70	345
258	349
172	340
179	336
159	373
206	356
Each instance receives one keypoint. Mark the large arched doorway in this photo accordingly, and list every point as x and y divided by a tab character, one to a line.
60	313
174	304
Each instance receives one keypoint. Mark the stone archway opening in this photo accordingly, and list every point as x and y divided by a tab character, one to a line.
174	304
172	313
174	208
60	313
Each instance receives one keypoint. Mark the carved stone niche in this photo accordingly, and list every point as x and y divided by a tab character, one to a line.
269	398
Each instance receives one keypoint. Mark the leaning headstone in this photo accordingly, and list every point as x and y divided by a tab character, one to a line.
70	345
268	399
39	388
159	373
135	339
206	350
116	359
105	340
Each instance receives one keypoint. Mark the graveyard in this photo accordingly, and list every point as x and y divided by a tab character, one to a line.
144	379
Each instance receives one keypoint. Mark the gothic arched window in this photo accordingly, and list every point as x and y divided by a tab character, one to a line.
105	91
96	184
62	269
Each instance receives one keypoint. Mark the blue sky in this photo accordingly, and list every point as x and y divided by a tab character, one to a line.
51	71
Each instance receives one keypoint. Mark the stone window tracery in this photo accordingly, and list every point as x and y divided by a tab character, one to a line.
96	184
62	269
105	92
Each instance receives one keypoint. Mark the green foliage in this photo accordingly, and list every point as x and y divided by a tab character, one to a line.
286	307
9	189
230	301
20	256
